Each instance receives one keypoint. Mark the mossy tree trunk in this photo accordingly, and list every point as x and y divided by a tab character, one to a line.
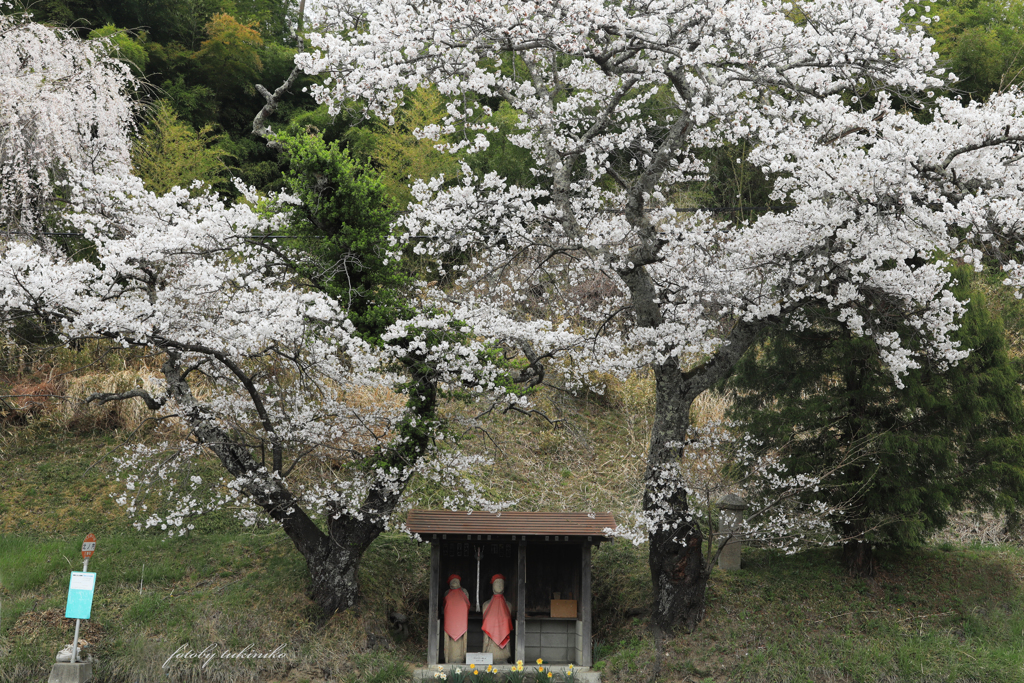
678	570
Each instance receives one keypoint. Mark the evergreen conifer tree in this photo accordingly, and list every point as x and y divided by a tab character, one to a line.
947	441
340	232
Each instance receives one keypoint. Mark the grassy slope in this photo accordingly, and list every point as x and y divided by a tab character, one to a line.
932	615
952	614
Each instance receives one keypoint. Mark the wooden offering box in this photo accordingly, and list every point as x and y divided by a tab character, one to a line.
565	609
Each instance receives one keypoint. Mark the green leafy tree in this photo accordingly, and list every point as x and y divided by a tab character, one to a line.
947	441
124	47
342	230
196	104
192	19
981	41
501	156
229	58
170	153
401	157
273	18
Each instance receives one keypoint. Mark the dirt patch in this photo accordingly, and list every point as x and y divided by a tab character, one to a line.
35	397
37	625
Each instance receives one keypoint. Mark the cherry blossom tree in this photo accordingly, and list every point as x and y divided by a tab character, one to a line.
311	426
314	428
64	107
599	267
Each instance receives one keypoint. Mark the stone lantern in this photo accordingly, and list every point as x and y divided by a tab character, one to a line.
730	521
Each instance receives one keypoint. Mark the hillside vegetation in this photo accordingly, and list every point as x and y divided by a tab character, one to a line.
950	611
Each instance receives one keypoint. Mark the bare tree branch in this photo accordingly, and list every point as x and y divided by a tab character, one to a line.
104	398
260	127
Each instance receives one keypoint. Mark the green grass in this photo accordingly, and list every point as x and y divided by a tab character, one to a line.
155	595
945	613
931	614
41	493
57	482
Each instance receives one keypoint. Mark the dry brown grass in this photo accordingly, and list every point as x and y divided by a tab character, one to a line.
130	415
978	528
59	399
710	406
584	452
51	384
33	398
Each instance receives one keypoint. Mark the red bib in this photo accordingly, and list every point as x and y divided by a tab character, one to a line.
498	621
456	613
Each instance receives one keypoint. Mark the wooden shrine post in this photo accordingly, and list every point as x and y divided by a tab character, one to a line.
433	635
520	653
586	655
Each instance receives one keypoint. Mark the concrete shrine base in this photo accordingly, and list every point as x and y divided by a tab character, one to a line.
71	673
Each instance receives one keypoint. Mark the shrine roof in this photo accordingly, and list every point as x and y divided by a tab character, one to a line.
577	524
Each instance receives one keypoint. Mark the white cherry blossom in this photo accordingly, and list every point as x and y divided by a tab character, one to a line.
64	108
599	268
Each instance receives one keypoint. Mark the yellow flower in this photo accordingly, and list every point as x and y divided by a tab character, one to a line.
540	670
472	666
475	672
488	668
540	661
520	667
549	674
519	662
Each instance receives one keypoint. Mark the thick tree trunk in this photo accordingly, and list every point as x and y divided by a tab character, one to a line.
858	555
676	551
334	571
334	576
677	564
680	579
859	558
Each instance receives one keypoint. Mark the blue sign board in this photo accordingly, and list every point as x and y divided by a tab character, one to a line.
80	595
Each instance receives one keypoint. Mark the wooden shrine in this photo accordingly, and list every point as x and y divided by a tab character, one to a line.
545	557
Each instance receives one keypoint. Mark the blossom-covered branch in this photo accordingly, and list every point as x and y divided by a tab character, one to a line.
64	108
594	267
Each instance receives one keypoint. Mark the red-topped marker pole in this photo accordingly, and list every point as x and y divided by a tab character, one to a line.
88	548
80	594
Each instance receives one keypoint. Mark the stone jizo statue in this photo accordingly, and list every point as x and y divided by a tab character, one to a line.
497	625
456	621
